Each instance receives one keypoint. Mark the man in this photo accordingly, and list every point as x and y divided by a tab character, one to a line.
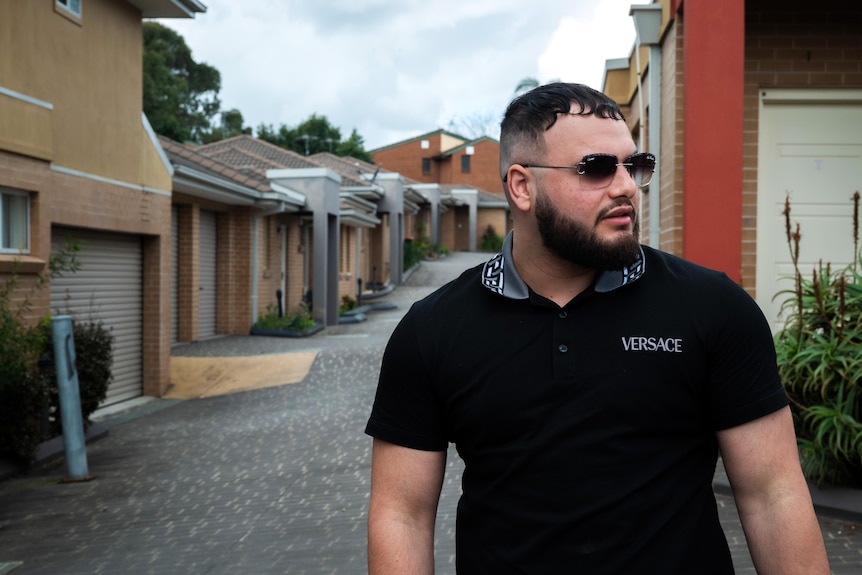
588	384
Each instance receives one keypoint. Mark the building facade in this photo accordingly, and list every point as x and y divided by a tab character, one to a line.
747	104
79	161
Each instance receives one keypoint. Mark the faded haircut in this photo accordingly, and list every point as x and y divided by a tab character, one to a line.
531	114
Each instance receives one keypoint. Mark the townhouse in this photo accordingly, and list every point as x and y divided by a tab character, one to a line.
466	171
178	244
746	104
79	160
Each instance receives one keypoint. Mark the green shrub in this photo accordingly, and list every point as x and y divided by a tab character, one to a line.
299	321
347	304
820	362
414	252
94	359
24	394
491	242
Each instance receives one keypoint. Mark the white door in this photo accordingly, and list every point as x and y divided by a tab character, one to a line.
208	278
108	286
810	149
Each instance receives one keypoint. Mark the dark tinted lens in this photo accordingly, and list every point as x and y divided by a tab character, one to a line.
641	168
597	170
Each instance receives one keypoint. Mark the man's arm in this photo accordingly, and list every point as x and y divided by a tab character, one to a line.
773	500
405	490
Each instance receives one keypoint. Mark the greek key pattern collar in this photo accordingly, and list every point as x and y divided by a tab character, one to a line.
500	276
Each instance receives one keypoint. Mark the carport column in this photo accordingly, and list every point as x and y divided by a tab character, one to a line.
431	193
470	197
392	202
321	188
714	70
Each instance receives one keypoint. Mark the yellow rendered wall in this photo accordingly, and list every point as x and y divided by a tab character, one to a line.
90	72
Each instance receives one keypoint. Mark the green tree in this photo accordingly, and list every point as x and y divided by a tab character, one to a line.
312	136
231	125
180	95
354	147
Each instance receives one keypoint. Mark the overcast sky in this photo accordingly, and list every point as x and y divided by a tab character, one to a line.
395	69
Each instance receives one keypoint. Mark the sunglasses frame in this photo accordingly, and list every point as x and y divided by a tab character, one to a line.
582	168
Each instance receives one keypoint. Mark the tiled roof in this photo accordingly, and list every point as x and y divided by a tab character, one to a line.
250	154
278	157
182	155
347	167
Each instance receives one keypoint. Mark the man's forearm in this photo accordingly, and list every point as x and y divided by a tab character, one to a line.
399	548
784	536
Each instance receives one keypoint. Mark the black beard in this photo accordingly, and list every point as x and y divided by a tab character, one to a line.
576	243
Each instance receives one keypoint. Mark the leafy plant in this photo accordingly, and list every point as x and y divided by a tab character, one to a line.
820	362
347	304
300	321
94	359
24	397
491	242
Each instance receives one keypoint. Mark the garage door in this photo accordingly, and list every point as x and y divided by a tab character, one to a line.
207	270
810	149
108	287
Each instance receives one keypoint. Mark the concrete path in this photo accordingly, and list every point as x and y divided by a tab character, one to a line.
270	480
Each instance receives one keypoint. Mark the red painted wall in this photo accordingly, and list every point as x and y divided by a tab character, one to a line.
713	68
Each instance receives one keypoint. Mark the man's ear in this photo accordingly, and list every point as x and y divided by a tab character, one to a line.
520	187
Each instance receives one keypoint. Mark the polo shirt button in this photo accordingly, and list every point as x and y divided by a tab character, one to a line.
563	348
563	314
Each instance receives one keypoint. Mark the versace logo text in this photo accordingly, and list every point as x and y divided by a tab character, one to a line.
642	343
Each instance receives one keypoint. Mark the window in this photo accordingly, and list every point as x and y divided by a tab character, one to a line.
14	221
465	164
71	6
426	165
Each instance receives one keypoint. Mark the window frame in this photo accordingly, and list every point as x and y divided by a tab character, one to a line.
65	9
25	249
426	166
465	164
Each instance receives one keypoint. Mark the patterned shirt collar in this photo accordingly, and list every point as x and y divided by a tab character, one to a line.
500	276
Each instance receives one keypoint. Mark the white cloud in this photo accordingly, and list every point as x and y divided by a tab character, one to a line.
395	69
579	46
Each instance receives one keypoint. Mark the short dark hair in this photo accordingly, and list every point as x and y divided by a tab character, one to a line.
531	114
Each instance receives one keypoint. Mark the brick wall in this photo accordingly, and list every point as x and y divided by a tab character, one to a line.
58	198
790	45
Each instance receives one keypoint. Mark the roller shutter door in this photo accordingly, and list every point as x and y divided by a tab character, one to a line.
108	287
207	261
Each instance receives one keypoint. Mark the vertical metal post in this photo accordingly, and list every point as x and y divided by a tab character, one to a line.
70	399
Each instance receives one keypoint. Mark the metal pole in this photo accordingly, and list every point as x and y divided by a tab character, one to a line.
70	399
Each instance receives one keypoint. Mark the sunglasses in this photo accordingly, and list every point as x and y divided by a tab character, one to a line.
597	171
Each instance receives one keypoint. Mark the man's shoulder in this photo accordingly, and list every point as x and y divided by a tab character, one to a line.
458	291
659	263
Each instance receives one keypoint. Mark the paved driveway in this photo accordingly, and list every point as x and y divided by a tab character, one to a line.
272	480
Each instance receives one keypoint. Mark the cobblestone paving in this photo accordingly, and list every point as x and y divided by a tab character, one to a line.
267	481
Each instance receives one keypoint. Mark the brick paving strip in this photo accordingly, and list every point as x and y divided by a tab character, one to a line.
197	377
270	480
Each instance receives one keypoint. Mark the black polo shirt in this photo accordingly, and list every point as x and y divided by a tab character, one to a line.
588	432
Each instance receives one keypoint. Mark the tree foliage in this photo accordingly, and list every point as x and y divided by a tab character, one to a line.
180	95
232	124
314	135
181	102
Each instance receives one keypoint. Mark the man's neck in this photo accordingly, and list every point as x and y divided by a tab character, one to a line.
548	275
